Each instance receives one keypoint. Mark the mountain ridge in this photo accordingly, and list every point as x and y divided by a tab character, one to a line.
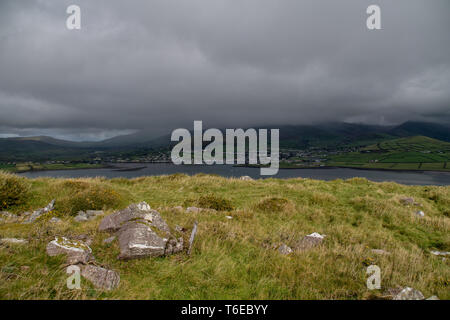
326	136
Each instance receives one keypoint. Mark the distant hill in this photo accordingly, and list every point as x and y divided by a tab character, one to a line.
432	130
55	142
326	136
306	136
18	149
332	135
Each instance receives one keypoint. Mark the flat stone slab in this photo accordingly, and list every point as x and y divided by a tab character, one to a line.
76	251
100	277
138	240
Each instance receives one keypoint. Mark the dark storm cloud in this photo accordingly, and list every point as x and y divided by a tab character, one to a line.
161	64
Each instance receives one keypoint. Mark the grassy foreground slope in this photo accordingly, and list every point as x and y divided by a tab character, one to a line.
237	258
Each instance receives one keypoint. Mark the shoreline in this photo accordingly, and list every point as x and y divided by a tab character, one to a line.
355	168
137	168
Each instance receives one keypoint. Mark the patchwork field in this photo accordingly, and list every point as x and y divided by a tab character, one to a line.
412	153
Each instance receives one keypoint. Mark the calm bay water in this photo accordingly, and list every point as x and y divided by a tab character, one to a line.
152	169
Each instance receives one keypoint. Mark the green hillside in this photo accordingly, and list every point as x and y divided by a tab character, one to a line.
411	153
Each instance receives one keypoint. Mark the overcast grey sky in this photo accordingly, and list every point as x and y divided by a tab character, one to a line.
161	64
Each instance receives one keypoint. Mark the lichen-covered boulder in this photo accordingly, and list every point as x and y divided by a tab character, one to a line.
137	240
141	232
100	277
76	251
115	221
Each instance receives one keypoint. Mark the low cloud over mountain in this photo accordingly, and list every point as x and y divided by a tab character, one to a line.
159	64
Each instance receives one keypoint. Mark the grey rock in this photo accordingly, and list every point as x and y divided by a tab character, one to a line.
174	246
138	240
284	249
115	221
246	178
55	220
440	253
36	214
94	213
380	252
80	218
13	241
433	298
420	214
229	217
309	242
408	293
76	250
109	240
100	277
193	209
141	232
192	237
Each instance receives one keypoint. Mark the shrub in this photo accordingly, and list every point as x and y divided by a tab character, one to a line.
94	197
214	202
13	190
